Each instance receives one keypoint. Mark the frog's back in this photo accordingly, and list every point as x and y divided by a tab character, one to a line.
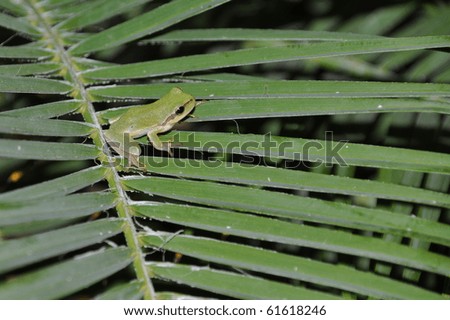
138	116
147	116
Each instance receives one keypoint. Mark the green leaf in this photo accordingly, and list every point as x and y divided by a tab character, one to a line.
29	228
23	149
444	76
13	7
265	55
428	24
23	52
46	110
61	208
33	85
53	4
90	12
25	69
43	127
276	89
261	228
61	279
147	23
241	34
56	187
378	21
428	67
214	110
222	76
293	207
15	24
24	251
126	291
322	151
232	284
292	179
169	295
283	265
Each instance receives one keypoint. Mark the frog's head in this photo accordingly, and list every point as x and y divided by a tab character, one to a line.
183	104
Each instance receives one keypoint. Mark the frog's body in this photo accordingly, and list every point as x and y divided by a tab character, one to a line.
151	119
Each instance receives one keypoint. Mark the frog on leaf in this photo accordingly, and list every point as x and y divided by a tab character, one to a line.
151	119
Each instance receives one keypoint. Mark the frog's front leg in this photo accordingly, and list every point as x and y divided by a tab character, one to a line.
158	144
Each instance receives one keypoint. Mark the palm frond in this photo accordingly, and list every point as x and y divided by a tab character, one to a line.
269	207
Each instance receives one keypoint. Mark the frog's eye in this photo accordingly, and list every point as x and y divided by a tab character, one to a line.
180	110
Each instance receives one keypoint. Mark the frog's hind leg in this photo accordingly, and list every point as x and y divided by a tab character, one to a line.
158	144
125	147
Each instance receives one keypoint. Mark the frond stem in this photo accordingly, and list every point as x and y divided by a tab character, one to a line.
54	40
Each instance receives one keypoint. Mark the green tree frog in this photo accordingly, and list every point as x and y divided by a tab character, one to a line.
151	119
